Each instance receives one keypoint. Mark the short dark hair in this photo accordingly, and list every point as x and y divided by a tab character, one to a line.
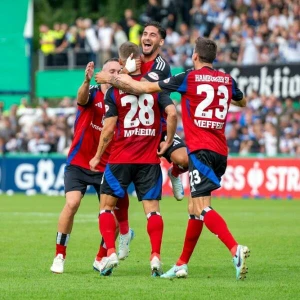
161	30
206	49
127	48
111	59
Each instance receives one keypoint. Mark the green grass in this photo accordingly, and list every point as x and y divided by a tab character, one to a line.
271	229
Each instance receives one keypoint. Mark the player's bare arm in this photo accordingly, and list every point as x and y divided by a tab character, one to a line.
126	83
83	91
105	138
241	103
171	129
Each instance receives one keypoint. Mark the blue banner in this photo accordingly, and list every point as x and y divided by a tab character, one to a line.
34	175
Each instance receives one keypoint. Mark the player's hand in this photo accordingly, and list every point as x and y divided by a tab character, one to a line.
124	78
102	77
89	71
94	162
130	64
163	147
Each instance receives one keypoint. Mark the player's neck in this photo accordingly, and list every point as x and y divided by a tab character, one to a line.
201	65
146	58
103	88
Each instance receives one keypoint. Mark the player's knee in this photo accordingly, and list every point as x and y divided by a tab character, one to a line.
182	160
72	206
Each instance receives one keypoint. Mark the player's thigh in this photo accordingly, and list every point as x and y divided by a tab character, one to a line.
75	180
150	206
177	144
205	172
148	181
116	180
107	202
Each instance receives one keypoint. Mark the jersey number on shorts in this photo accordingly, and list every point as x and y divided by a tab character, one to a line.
143	104
210	94
194	177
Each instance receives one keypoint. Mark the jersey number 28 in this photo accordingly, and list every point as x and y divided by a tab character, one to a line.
143	105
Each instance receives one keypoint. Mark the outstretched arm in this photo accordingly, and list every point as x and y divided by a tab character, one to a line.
105	138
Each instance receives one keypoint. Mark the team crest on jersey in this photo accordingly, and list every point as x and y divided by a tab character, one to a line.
167	80
106	108
153	75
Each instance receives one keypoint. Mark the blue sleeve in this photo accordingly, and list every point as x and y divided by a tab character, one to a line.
176	83
110	104
237	94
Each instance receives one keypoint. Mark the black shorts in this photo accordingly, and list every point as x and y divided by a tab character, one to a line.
205	171
147	179
177	143
77	179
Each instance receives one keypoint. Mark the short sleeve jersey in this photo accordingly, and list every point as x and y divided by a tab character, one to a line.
138	131
206	95
87	130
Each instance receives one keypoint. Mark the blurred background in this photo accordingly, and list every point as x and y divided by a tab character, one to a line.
46	46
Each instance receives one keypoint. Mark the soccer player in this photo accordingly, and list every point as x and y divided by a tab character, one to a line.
206	96
78	176
134	158
155	68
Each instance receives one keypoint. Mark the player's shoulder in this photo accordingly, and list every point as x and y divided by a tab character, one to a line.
161	64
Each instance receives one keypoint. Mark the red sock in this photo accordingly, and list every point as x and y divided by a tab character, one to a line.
62	240
60	249
155	228
107	227
102	251
217	225
176	170
121	213
193	231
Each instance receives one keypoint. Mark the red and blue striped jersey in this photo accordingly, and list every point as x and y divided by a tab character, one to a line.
87	130
206	95
138	131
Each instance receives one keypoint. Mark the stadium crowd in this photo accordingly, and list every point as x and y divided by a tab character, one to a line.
246	32
267	126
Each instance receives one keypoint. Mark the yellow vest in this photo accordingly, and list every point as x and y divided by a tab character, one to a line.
134	34
49	38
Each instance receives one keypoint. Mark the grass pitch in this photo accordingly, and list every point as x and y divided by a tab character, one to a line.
28	225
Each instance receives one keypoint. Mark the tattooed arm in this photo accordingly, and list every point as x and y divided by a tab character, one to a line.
105	138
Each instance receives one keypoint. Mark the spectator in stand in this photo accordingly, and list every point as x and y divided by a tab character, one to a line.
128	14
119	37
135	31
92	44
172	37
105	36
47	42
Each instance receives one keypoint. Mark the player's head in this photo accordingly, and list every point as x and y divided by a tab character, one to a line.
112	66
153	37
126	49
205	51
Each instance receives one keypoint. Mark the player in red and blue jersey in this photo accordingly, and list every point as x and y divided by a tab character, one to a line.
135	123
206	96
78	176
155	68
